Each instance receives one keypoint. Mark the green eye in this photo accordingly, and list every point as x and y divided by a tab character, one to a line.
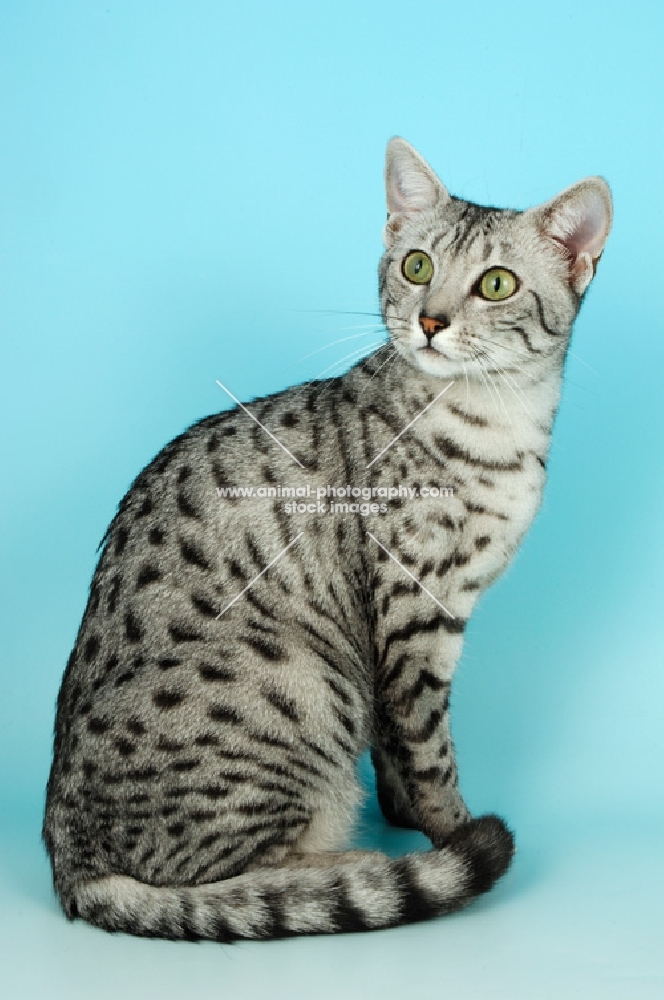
417	267
497	284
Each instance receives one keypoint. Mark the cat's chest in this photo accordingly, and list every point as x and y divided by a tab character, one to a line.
473	490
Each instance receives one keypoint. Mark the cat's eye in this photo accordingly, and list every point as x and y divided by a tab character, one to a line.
498	283
417	267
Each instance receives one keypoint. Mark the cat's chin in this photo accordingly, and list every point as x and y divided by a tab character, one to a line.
435	363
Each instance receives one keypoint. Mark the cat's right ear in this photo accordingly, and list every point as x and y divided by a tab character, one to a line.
579	221
410	186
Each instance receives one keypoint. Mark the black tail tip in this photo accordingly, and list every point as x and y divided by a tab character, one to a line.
487	846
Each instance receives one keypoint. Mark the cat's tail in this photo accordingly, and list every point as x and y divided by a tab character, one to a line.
325	895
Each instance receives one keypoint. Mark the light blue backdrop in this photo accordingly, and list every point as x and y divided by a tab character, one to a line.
181	184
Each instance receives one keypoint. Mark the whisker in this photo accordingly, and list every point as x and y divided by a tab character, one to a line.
368	333
368	348
483	377
346	357
330	381
517	392
533	373
578	358
390	357
339	312
502	402
532	362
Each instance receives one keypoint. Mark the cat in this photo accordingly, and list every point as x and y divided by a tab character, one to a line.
235	659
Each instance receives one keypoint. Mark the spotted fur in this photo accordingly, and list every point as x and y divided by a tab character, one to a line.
203	782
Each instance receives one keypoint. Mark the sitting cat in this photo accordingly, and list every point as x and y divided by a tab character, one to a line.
235	660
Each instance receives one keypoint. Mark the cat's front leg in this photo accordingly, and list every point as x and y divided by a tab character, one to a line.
417	779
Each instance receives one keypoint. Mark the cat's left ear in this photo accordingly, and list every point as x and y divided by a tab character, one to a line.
579	220
410	186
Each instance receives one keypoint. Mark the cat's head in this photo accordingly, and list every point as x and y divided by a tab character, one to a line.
465	288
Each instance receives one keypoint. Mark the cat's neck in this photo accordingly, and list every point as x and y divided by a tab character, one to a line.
514	411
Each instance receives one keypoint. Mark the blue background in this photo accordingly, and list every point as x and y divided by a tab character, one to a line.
181	183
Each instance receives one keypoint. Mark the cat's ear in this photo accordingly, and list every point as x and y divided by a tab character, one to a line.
579	220
410	186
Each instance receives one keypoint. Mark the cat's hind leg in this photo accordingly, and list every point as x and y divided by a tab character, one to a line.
391	793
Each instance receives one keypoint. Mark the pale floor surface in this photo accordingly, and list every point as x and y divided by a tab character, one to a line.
579	918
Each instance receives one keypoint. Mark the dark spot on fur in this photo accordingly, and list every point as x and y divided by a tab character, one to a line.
95	597
97	725
148	574
167	699
214	792
209	840
204	606
223	713
202	815
166	662
124	678
214	673
182	633
182	766
186	506
207	740
142	774
91	648
111	663
286	706
113	593
156	536
133	628
236	570
121	537
268	650
145	508
139	799
168	745
193	555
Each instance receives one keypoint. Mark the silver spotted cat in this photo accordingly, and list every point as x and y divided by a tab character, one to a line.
235	658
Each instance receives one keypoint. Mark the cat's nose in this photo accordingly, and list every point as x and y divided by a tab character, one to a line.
431	325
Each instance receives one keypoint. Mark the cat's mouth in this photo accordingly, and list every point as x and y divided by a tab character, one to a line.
433	361
431	352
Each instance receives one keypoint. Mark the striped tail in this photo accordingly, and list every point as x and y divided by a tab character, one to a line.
365	892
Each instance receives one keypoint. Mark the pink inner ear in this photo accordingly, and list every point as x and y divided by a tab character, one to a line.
582	225
411	185
409	190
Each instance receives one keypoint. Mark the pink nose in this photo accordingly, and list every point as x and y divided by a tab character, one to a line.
431	325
